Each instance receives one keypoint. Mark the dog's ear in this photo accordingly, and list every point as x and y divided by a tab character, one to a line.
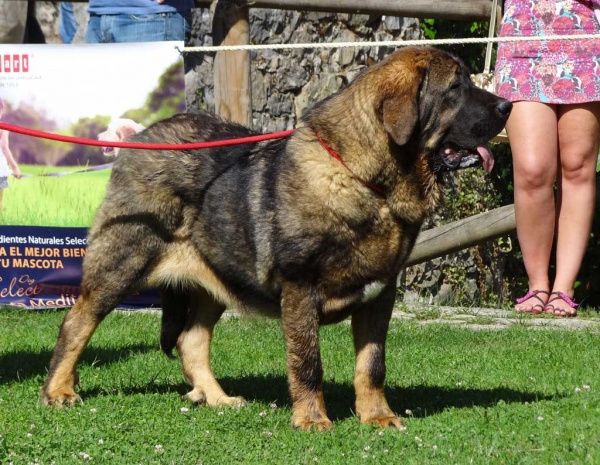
125	130
400	109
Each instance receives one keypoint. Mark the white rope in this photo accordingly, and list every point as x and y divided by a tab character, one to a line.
389	43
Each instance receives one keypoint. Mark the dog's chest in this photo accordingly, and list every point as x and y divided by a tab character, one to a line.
371	291
343	303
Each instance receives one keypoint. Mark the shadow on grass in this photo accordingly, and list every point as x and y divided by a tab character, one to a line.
19	366
421	400
339	397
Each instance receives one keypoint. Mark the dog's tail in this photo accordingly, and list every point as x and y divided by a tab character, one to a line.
175	308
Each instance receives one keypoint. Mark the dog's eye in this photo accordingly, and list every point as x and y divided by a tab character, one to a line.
455	85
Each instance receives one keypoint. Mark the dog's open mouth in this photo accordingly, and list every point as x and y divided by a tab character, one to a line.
455	157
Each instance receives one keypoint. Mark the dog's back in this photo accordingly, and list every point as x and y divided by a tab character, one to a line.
207	199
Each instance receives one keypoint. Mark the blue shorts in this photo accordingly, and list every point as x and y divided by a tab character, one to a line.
3	182
154	27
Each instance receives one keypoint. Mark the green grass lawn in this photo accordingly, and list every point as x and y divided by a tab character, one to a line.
70	200
512	396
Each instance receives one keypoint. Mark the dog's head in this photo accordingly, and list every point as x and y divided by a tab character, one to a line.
427	99
118	130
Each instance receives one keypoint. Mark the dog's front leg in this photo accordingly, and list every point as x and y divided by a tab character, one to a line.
370	327
305	371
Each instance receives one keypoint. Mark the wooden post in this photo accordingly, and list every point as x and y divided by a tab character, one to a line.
233	92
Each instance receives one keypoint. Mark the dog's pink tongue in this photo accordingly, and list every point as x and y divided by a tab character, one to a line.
488	158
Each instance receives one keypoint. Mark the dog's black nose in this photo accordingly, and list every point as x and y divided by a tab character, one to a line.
504	107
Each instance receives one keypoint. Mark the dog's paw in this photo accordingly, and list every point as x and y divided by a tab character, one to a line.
385	421
233	402
60	398
199	397
306	424
195	396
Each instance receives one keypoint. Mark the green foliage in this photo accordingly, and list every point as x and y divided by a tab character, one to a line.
428	28
513	396
79	154
27	149
428	313
167	99
472	54
200	97
169	91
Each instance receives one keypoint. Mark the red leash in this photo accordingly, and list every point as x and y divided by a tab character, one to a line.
188	146
140	145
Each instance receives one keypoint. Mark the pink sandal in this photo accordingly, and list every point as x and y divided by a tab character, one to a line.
534	294
569	301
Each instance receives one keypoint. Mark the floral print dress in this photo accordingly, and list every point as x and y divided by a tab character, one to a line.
557	72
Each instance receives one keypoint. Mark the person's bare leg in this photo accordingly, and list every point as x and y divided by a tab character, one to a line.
579	137
532	130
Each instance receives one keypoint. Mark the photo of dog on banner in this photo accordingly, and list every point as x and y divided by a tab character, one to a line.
118	130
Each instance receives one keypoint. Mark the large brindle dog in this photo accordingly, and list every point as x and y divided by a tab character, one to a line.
313	228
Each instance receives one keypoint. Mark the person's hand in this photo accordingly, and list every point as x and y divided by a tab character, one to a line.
160	1
17	173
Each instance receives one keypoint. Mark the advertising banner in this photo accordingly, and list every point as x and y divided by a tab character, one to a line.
50	190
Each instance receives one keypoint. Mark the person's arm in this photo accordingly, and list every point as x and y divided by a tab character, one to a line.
8	154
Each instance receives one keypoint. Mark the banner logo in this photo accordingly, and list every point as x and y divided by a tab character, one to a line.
16	63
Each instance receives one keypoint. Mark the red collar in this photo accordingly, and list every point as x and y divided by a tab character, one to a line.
335	155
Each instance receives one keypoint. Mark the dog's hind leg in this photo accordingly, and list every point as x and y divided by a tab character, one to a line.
193	346
75	332
175	305
111	271
369	327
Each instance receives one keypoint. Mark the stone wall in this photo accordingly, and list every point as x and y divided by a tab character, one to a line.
47	15
285	83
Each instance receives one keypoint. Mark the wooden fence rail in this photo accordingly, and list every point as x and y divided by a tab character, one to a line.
462	10
470	231
465	10
463	233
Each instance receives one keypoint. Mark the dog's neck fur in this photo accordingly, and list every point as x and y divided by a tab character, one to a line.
371	153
